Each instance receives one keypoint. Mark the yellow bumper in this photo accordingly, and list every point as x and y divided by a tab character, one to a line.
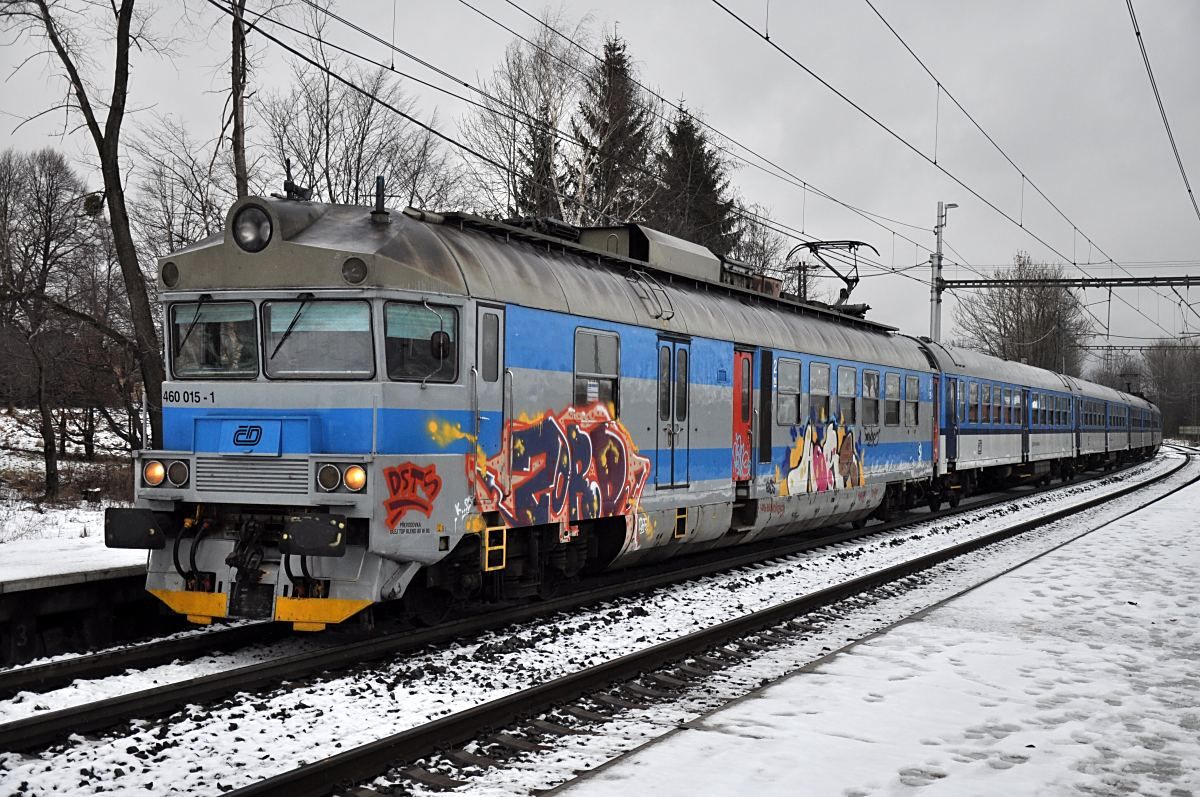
313	614
305	614
200	607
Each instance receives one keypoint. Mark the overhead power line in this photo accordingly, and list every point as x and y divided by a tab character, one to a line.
916	150
557	133
1161	109
1075	282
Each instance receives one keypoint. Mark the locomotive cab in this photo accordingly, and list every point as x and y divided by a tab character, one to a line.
316	406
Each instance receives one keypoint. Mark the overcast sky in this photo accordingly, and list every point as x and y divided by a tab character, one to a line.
1060	85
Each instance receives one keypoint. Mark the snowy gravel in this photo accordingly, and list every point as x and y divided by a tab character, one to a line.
205	751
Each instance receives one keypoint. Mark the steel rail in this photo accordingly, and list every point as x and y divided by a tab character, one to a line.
37	731
54	674
370	760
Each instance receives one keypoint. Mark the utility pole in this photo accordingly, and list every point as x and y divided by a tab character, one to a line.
935	285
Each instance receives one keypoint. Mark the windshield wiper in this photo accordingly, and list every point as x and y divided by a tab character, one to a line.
305	299
204	297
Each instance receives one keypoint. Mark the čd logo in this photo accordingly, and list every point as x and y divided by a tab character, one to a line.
247	435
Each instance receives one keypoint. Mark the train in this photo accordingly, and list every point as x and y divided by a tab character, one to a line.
367	405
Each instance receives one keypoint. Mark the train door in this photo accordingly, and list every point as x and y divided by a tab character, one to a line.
674	403
492	388
1026	419
743	397
953	390
1077	417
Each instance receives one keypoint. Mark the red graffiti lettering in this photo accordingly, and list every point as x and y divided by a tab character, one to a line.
410	487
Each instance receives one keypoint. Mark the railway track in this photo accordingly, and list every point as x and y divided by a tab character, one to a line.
42	729
653	673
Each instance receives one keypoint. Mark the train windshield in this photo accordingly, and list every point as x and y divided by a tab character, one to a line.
318	339
214	340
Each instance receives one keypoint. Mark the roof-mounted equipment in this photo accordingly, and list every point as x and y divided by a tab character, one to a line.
850	277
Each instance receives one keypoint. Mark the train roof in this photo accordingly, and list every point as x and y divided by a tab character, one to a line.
461	254
958	360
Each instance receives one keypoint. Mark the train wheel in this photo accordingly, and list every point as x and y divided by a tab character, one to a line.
955	498
427	606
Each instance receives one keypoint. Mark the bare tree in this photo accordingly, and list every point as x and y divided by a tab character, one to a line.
340	139
184	188
1041	325
519	129
44	233
44	20
1171	376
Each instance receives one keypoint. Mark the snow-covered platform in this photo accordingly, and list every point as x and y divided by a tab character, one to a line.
1078	673
63	561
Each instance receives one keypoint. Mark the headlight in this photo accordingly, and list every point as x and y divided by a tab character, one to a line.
328	478
252	228
355	478
177	473
153	473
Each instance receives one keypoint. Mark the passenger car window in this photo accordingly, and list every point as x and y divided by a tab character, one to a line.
891	402
787	411
912	397
318	339
847	388
597	369
986	404
214	340
421	342
870	401
818	391
973	404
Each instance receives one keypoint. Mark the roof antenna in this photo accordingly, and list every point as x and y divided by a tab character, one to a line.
379	215
290	189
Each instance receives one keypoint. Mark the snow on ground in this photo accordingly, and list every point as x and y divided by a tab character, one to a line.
1077	673
21	461
77	550
205	750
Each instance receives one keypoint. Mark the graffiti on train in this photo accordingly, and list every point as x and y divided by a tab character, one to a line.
410	487
573	465
823	456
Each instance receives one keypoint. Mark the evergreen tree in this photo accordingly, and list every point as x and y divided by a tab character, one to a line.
616	129
694	201
538	181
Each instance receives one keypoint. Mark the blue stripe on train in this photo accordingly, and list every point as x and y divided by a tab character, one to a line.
341	430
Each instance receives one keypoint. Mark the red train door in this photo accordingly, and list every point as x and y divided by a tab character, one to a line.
743	402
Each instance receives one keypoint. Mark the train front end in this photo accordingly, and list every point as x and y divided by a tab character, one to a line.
271	497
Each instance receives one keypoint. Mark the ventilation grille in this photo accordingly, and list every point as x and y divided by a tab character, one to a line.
247	475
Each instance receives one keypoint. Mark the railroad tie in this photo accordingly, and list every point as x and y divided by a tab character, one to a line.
585	715
617	702
464	758
515	744
666	681
427	778
694	671
644	691
554	728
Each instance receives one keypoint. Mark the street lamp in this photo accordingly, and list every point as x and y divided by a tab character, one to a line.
935	286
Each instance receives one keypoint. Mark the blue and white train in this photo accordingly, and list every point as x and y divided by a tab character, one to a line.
367	405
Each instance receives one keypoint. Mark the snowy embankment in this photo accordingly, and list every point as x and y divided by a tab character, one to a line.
1074	674
73	529
199	752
